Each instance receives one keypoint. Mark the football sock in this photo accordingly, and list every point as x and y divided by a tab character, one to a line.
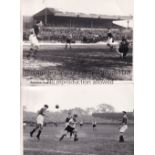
61	138
31	133
38	135
121	138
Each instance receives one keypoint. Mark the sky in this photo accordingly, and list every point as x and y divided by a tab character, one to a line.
106	7
120	96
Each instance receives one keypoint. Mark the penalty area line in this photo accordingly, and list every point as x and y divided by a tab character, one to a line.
55	151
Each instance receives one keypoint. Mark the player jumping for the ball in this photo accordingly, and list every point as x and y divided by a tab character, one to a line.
71	128
33	38
123	127
40	122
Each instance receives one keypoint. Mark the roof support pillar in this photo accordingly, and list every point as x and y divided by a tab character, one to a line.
91	24
70	23
46	17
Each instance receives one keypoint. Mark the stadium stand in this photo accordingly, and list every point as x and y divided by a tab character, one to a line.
83	27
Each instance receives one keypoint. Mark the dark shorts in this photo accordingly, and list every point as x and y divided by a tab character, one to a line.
123	49
68	40
94	125
69	129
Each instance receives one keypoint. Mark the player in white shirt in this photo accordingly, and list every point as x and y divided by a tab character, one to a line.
71	128
110	40
123	127
33	38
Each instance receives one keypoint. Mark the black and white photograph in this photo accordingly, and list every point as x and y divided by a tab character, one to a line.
75	120
77	77
77	40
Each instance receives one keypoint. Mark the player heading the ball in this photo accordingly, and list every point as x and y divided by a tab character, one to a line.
40	121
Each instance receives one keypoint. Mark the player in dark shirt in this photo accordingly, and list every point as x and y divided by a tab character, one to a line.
123	127
94	125
110	35
37	27
40	122
68	118
68	41
123	47
81	124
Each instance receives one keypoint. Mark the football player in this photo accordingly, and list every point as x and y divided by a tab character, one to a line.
123	127
110	40
40	122
81	124
94	125
71	128
68	41
33	38
67	121
123	47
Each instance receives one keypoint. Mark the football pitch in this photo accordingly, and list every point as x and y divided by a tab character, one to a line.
102	141
82	62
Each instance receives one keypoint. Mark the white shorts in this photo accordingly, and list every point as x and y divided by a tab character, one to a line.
66	124
123	128
34	41
40	120
110	41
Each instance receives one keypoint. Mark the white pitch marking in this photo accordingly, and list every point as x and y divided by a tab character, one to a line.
74	44
56	151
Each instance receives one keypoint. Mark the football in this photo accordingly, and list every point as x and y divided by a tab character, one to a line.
57	106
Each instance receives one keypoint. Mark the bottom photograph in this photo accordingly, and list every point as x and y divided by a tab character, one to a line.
78	120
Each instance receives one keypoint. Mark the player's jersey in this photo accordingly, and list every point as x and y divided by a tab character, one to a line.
125	120
124	44
36	29
42	112
72	123
70	36
109	35
69	39
67	119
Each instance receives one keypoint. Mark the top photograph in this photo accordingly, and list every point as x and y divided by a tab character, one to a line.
76	40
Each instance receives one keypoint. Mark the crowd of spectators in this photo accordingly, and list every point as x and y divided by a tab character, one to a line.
86	35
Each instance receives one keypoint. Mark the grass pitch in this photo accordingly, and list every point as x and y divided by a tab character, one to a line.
102	141
89	62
